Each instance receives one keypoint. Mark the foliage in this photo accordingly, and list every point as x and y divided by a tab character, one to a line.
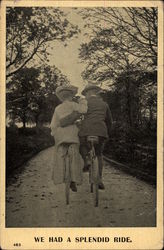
31	82
22	144
29	33
121	39
31	95
121	55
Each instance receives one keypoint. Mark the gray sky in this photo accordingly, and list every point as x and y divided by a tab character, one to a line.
66	58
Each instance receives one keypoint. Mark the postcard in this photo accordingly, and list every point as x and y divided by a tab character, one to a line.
81	124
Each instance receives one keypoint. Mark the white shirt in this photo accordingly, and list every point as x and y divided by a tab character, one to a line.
67	134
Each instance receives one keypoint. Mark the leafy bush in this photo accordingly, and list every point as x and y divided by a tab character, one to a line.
22	144
135	148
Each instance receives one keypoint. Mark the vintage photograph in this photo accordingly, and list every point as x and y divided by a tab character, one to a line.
81	117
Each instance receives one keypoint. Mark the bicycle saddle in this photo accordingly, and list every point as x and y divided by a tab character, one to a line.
93	138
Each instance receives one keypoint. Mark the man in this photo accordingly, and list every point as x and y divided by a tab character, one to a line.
97	121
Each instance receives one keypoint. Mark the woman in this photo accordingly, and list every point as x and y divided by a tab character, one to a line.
66	138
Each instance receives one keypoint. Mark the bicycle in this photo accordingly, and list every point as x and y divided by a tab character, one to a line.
67	178
94	176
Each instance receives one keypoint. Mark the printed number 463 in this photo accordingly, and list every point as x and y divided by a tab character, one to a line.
17	244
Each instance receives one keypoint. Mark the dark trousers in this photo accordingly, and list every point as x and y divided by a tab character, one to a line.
85	147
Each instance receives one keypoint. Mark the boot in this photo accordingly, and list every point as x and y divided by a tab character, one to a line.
73	186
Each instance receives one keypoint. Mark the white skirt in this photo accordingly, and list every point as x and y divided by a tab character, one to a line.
68	164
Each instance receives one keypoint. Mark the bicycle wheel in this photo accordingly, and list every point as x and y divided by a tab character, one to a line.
67	191
67	179
95	183
96	194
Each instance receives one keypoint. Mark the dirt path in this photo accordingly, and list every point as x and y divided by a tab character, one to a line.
34	201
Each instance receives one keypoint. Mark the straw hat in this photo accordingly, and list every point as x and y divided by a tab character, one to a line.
60	91
90	86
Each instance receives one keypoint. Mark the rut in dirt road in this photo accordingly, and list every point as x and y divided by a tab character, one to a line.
34	201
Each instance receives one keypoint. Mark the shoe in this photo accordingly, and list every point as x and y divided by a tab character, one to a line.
101	186
87	164
86	168
73	186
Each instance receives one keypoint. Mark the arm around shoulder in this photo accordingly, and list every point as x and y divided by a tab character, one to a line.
81	106
69	119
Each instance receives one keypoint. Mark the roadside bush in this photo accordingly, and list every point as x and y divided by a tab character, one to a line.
135	148
22	144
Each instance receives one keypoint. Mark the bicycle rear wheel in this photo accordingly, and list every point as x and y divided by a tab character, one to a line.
96	194
67	191
95	182
67	179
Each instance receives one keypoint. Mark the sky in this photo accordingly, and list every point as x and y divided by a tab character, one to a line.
66	58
